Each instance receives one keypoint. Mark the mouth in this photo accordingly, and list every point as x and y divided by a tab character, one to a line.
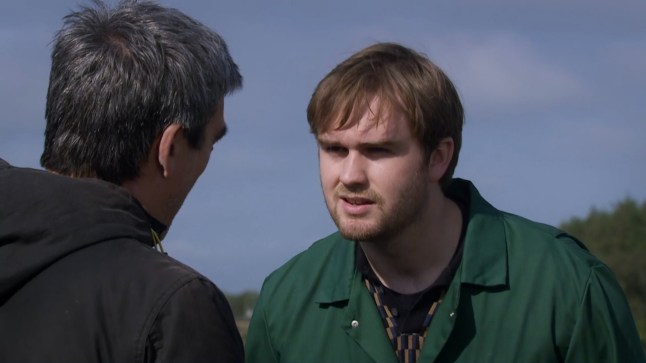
356	206
357	200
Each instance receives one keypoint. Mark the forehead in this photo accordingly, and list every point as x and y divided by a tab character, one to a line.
373	119
374	124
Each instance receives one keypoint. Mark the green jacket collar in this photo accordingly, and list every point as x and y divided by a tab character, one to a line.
484	261
336	283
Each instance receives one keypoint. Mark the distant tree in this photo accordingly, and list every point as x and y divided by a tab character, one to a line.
618	238
242	304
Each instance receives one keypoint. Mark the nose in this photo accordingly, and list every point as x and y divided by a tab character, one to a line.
353	171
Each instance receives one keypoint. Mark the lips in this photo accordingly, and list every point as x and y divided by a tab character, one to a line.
357	200
356	206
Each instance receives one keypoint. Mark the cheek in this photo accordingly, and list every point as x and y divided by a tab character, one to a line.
394	177
326	173
201	162
207	158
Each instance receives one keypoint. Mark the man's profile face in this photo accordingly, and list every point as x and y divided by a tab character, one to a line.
194	161
213	132
373	176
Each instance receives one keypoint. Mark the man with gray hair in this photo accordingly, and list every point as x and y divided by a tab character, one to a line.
134	106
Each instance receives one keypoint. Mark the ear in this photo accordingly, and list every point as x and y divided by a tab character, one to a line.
168	147
441	158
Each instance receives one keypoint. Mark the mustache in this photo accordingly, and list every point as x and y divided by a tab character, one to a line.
342	191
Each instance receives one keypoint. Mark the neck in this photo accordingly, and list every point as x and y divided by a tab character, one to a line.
146	197
414	259
151	192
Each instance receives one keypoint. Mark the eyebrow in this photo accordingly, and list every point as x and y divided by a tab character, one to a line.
381	143
323	140
221	134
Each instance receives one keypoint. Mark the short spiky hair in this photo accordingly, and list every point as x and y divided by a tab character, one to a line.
400	78
121	75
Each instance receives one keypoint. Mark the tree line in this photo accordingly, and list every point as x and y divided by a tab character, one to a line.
618	238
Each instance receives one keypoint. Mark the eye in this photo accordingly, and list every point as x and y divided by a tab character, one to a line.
378	151
334	149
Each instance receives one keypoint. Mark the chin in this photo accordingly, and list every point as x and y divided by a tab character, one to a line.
358	231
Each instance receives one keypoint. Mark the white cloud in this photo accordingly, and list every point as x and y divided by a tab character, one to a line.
501	70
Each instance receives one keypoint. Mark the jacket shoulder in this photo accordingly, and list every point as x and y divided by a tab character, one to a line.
526	233
549	253
325	264
312	260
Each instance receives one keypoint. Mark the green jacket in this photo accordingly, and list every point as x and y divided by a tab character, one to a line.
524	292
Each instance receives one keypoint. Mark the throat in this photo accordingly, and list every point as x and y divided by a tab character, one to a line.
412	263
402	272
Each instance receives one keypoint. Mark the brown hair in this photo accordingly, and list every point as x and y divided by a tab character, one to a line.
401	78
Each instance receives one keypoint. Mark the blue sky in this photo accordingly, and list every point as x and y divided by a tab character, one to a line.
554	92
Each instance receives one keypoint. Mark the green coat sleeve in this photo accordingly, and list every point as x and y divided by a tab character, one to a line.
604	330
258	347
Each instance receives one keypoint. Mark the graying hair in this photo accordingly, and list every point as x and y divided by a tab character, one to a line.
121	75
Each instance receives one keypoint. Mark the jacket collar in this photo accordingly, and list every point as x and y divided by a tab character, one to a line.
336	283
484	261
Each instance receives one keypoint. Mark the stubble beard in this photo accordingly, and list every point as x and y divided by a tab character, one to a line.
388	222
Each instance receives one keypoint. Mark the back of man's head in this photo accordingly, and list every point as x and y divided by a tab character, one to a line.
120	76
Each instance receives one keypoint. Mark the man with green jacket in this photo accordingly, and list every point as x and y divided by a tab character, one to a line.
422	268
